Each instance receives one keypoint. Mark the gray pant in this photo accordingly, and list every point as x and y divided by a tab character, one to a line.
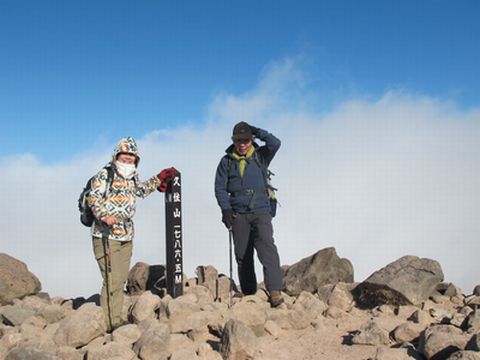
255	231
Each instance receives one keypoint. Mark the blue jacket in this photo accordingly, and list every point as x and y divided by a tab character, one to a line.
246	194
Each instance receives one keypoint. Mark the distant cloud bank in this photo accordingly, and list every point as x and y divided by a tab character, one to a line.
377	179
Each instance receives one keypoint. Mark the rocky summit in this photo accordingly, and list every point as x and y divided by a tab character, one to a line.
405	310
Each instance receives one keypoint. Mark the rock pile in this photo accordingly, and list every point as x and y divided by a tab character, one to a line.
396	313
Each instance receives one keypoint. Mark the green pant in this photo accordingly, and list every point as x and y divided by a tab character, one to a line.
114	280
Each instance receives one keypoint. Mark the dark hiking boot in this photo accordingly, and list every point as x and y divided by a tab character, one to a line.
276	298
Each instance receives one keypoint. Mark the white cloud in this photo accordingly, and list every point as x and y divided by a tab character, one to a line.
377	179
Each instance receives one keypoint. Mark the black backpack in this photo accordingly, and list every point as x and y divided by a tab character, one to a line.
86	214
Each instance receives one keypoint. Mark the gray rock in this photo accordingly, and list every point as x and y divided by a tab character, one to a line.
69	353
181	341
223	294
272	328
473	322
145	307
127	335
465	355
371	334
30	353
154	342
407	332
53	313
324	267
15	315
238	341
476	290
15	280
207	276
203	295
406	281
137	278
81	326
441	341
341	297
385	353
251	311
205	352
110	351
420	317
184	354
199	322
290	319
474	343
309	303
182	306
473	301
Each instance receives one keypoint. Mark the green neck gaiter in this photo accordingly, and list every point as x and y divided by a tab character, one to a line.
243	159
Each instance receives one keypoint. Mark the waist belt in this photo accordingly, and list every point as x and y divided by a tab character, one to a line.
245	192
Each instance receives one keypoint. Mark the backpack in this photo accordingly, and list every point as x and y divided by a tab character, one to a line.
267	176
86	214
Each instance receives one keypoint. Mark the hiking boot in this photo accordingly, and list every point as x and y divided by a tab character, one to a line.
276	298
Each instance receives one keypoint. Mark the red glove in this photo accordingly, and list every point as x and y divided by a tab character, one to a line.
165	176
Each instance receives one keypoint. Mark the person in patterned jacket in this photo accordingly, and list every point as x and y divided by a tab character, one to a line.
113	204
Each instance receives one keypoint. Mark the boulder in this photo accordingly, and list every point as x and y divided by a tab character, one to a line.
184	354
409	280
465	355
181	307
407	332
15	280
145	307
290	319
473	322
69	353
385	353
324	267
112	350
207	276
238	341
309	303
371	333
205	352
81	326
15	315
440	341
251	311
127	334
30	353
154	342
137	278
476	290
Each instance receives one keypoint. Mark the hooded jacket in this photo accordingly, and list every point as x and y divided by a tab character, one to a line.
119	199
247	193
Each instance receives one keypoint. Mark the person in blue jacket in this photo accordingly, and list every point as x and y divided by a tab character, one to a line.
241	192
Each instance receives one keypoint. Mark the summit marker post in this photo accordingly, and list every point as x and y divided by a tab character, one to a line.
174	236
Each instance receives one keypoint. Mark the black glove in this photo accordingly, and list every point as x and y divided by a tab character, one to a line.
228	217
254	130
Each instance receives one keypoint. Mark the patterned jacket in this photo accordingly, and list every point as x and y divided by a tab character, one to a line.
119	199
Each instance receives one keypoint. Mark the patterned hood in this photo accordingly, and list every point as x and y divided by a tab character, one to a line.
126	145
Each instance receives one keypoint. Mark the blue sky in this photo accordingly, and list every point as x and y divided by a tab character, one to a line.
75	73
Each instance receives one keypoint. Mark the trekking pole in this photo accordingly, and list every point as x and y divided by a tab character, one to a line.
108	269
230	238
